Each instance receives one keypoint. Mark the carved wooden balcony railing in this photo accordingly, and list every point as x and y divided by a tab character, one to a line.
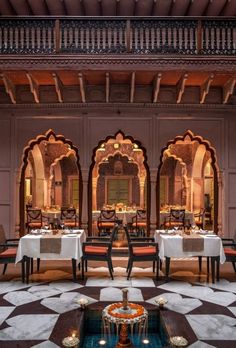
191	36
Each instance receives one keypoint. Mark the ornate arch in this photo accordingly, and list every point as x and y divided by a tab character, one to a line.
44	137
192	137
118	135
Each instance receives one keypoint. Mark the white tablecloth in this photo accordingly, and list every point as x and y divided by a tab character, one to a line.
71	247
172	246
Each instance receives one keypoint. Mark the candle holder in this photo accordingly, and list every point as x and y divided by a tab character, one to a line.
178	341
161	301
83	302
70	341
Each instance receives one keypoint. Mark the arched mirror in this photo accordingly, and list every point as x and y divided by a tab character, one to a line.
119	180
187	181
50	177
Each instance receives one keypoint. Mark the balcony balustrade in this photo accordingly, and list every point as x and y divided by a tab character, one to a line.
143	36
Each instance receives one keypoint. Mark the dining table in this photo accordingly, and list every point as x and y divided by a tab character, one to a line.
51	245
177	244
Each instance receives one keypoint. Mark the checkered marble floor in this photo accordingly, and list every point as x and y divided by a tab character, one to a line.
40	314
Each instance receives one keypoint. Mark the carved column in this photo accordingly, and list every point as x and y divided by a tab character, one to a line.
153	206
94	193
221	204
84	217
142	197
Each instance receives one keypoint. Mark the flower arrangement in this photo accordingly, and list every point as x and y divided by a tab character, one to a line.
178	341
139	310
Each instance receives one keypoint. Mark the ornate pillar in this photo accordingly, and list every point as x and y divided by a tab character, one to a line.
84	217
142	197
221	204
94	193
153	205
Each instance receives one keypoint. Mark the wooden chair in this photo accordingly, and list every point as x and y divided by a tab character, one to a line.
69	217
142	249
200	219
8	249
98	249
230	251
176	218
139	222
34	219
106	221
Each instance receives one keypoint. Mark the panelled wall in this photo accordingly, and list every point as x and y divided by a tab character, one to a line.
86	126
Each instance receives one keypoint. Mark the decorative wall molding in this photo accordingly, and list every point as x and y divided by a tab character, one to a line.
116	62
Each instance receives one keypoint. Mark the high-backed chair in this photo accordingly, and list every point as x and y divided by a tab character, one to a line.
69	217
139	222
8	249
142	249
176	218
98	249
200	218
230	251
34	218
106	221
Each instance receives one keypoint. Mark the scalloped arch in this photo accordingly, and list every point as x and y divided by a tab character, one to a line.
39	138
189	134
118	134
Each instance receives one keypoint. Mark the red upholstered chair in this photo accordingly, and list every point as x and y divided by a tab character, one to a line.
176	218
106	221
139	222
69	217
34	219
98	249
142	249
230	251
8	249
200	218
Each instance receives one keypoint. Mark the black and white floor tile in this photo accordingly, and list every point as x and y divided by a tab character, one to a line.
39	314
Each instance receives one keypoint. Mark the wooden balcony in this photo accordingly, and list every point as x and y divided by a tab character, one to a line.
118	36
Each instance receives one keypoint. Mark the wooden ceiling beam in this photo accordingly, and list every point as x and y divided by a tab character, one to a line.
157	85
82	87
10	88
181	87
107	87
34	87
228	89
204	89
132	87
58	87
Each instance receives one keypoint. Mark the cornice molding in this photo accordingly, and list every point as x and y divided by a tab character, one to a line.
125	62
84	106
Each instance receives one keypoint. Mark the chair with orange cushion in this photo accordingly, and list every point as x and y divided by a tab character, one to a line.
142	249
98	249
8	249
139	222
176	218
34	219
106	221
69	217
230	251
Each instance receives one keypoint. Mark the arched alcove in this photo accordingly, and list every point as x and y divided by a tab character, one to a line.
119	161
50	163
198	182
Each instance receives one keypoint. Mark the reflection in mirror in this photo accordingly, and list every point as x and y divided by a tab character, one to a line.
119	179
187	182
51	177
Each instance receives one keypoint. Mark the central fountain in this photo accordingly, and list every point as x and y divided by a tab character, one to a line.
125	317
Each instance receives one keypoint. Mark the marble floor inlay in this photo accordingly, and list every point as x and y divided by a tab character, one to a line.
177	303
29	327
41	314
209	327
